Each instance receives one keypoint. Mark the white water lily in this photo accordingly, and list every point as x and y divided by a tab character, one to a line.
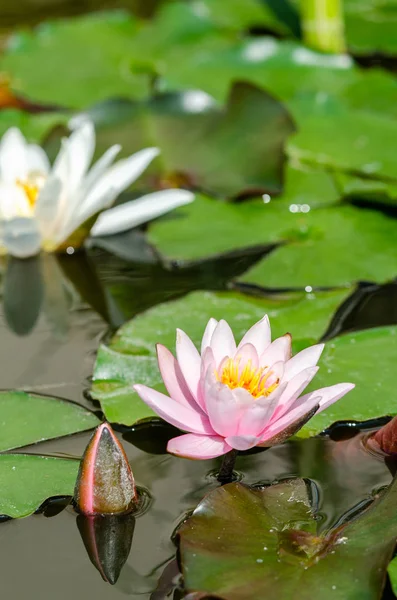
42	205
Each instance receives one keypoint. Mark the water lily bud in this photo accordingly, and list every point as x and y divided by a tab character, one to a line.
105	483
385	439
107	539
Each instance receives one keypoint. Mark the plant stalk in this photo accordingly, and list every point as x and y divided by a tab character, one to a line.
323	25
225	474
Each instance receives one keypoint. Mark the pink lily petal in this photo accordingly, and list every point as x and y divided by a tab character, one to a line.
290	418
173	378
259	336
294	388
173	412
245	354
277	373
308	357
278	350
209	330
189	360
242	442
257	414
328	395
222	342
198	446
207	362
225	406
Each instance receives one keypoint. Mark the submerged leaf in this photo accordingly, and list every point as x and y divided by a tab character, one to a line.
249	544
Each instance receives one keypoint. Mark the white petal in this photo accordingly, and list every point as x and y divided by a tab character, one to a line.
37	160
21	237
98	169
47	206
13	202
75	156
120	176
13	156
134	213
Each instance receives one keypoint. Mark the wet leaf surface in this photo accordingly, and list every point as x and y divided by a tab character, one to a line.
243	543
366	358
104	41
130	358
26	481
231	150
318	249
27	419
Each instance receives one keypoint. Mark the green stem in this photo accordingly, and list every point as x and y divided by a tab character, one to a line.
323	25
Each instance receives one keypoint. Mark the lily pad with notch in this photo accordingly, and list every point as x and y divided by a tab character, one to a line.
229	151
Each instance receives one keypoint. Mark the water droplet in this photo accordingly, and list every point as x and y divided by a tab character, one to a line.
259	560
294	208
305	208
70	250
334	587
308	289
266	198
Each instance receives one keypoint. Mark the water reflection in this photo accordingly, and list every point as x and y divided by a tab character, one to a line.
39	285
108	541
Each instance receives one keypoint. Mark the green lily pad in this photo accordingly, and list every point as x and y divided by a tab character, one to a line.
244	544
26	481
368	359
392	571
353	141
33	126
131	356
27	419
91	56
232	150
318	252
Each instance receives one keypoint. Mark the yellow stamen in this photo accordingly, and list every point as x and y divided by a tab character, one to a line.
31	190
251	379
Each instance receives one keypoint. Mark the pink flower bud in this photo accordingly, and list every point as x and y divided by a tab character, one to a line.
105	483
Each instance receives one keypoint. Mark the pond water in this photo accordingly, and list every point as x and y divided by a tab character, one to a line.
45	552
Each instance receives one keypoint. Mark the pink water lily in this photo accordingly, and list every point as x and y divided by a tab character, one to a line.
236	397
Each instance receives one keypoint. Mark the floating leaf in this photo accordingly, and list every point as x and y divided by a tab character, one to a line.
91	56
319	251
352	141
368	359
33	126
231	150
248	544
26	481
131	356
27	419
392	571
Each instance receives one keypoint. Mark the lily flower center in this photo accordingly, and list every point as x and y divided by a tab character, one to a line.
31	186
254	380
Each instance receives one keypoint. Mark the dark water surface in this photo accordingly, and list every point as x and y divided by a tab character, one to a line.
81	299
